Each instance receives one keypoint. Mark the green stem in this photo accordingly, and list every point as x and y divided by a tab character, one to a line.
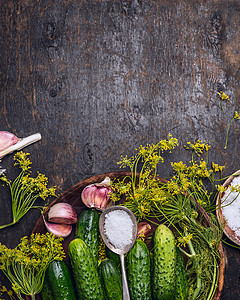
199	282
225	147
33	297
222	106
7	225
214	282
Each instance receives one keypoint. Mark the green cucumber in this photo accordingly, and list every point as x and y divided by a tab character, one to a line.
113	256
182	286
111	279
138	272
88	230
58	282
164	268
46	292
85	271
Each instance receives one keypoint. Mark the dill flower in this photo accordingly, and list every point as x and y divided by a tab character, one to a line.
9	293
25	189
26	264
217	168
141	189
223	96
184	239
198	147
220	188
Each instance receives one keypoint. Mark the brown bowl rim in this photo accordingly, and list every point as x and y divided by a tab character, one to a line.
231	234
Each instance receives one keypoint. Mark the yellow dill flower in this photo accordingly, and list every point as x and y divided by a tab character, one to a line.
179	166
223	96
25	265
183	240
236	115
217	168
220	188
22	160
101	250
198	147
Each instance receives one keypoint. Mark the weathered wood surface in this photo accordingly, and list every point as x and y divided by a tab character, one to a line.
99	78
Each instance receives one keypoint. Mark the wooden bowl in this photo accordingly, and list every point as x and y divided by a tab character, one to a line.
73	197
231	234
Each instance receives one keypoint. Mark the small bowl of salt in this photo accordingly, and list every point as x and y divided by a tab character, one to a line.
118	229
228	208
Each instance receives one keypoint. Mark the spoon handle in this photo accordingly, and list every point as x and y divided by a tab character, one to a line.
126	295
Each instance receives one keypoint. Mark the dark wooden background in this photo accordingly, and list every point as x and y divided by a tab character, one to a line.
99	78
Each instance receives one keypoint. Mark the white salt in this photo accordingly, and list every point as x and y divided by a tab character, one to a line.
231	212
118	228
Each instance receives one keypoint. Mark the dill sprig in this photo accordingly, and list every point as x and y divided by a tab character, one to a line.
26	264
235	117
25	189
142	188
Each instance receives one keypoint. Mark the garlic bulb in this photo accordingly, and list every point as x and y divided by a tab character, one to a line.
9	142
62	213
97	195
7	139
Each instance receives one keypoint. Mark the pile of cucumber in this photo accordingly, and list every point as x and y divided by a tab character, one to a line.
160	274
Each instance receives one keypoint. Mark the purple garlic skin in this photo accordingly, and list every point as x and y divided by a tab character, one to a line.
62	213
144	230
97	195
7	139
58	230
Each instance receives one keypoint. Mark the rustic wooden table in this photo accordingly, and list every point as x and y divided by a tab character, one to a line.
98	78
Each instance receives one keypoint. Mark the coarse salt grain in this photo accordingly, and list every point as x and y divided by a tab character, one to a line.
231	212
118	228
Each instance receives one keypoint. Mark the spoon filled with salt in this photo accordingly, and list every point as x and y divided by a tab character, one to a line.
118	228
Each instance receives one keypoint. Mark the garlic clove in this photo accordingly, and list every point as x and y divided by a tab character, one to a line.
7	139
58	230
97	195
62	213
144	230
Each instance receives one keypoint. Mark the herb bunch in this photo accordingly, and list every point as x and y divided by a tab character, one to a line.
143	188
25	189
26	264
171	202
196	178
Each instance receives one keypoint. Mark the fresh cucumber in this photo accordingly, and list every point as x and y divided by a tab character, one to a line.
113	256
164	268
138	271
87	229
46	293
58	282
85	271
182	286
111	279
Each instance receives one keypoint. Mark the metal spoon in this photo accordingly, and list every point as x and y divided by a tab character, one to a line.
123	250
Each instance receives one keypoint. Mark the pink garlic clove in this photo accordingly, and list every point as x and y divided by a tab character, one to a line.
58	230
62	213
7	139
97	195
